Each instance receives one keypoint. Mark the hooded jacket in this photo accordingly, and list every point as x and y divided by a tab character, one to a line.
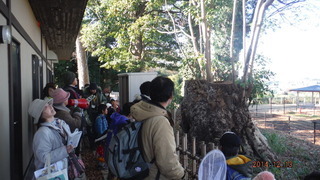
158	141
46	140
73	119
239	168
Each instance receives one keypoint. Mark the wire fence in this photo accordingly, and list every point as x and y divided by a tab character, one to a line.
300	121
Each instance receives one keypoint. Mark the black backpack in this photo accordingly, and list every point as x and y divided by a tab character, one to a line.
125	159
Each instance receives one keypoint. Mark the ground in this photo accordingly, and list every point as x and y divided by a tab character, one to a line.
293	143
93	171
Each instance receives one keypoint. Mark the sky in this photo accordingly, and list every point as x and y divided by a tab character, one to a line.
294	49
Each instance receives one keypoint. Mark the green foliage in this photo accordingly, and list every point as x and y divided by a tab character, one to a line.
136	35
178	86
61	67
260	79
101	76
123	34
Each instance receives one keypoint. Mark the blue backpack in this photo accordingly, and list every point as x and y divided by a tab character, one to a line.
125	159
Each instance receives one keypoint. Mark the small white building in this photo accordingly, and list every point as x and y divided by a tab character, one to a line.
129	84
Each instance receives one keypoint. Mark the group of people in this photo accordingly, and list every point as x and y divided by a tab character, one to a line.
54	116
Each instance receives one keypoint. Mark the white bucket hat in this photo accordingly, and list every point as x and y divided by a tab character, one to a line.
36	107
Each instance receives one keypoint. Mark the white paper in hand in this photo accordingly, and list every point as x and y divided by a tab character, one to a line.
74	138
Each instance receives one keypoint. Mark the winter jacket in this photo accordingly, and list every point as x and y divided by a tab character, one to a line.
94	103
101	125
75	93
99	99
74	120
46	140
239	168
158	141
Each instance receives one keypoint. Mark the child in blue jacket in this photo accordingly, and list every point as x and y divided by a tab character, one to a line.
101	128
101	123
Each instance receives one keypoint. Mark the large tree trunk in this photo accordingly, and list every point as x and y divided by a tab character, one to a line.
210	109
82	64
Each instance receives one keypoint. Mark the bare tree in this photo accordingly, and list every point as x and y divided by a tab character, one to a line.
206	41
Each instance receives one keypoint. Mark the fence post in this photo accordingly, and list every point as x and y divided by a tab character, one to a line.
185	155
284	105
270	102
194	161
265	119
203	149
314	132
289	125
273	125
174	115
211	146
178	143
256	109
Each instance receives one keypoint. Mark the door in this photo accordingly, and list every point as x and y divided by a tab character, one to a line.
15	112
36	75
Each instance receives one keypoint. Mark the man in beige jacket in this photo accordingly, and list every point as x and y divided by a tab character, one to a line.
157	131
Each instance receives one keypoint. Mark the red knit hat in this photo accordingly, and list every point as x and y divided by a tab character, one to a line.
59	96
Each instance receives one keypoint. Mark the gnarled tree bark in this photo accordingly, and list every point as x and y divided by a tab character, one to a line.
210	109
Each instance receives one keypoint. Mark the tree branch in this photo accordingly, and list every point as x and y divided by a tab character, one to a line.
174	29
168	32
287	5
232	36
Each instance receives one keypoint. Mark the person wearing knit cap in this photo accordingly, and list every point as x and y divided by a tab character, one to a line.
238	166
70	85
60	102
94	89
50	137
70	78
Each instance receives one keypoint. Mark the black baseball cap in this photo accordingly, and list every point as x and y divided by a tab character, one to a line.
230	139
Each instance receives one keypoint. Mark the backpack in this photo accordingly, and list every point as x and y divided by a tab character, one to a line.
125	159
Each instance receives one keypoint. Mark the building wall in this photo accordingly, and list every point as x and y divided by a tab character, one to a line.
23	13
4	110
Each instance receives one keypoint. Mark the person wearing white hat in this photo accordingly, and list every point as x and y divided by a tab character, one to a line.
50	136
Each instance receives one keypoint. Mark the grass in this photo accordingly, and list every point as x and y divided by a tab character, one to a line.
276	143
306	115
304	156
